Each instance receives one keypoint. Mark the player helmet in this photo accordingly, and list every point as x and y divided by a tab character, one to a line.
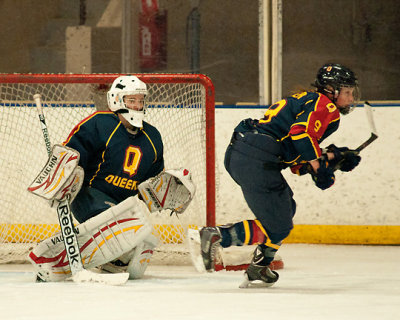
124	86
331	77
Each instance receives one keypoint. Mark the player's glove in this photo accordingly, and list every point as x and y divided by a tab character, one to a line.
345	159
324	177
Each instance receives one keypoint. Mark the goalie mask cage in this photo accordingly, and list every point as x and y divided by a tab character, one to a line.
180	106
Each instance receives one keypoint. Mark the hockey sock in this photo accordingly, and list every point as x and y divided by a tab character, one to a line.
246	232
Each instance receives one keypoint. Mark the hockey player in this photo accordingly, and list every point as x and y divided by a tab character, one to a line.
119	154
289	135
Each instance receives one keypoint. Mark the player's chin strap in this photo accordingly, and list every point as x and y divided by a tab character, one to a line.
171	189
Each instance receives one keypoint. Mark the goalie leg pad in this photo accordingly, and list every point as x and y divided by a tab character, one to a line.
134	262
101	239
141	257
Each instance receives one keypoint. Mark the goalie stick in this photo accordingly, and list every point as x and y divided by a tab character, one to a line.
79	274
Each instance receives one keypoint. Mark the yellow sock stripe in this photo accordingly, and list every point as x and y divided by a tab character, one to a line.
246	232
268	243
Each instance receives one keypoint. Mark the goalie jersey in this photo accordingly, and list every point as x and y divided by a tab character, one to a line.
115	161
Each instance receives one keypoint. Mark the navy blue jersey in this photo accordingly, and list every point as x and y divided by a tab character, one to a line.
300	122
115	161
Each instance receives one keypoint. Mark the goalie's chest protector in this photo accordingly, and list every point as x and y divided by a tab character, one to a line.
115	161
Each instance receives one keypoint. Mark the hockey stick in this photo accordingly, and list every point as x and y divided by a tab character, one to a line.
79	274
374	133
372	138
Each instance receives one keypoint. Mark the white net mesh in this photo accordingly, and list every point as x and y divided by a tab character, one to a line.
176	109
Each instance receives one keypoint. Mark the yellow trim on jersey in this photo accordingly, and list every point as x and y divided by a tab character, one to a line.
102	155
154	148
334	120
300	136
78	126
299	124
306	135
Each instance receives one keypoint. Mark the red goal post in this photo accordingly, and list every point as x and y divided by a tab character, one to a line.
180	105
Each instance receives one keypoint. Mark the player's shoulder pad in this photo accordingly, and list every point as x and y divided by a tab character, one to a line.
106	120
325	104
150	129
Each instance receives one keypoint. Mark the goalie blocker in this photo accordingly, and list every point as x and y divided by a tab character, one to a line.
61	176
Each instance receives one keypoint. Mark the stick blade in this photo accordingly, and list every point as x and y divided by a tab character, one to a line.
113	279
368	112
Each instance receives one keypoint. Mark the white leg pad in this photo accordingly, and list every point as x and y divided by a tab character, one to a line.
101	239
141	257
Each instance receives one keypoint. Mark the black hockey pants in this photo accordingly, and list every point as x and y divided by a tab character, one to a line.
253	161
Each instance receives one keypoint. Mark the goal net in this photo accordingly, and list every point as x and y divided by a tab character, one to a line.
180	106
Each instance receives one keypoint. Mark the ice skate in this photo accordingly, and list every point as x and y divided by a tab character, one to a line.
206	241
258	274
210	241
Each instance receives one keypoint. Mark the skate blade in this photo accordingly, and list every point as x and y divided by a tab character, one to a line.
247	284
195	250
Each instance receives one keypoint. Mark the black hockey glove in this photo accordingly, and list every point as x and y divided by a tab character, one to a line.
345	159
324	177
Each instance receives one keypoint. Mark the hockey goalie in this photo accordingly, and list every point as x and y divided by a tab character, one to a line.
110	169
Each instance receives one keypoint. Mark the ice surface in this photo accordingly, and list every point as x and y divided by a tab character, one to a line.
318	282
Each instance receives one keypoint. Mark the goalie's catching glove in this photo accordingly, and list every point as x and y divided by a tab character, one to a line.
172	189
345	159
324	177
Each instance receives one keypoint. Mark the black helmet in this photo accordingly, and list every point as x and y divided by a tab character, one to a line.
335	75
331	77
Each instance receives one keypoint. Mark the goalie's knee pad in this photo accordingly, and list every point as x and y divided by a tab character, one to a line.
101	239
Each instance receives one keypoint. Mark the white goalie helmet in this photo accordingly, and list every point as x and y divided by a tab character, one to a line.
125	86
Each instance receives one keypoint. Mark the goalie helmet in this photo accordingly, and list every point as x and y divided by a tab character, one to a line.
332	77
126	86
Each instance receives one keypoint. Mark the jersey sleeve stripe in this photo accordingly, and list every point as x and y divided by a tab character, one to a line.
300	136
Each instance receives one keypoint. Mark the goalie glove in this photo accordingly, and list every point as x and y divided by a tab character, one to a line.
171	189
61	176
